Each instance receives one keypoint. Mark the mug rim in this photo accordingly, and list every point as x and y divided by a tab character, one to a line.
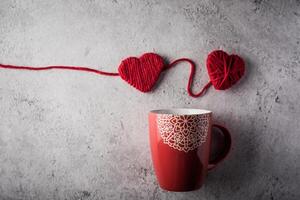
181	111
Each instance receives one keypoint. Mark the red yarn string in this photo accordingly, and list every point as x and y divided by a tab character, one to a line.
59	67
191	77
172	64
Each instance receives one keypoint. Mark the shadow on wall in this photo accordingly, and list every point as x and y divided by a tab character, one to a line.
238	171
241	176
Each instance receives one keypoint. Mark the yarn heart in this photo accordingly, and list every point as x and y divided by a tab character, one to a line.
224	70
142	73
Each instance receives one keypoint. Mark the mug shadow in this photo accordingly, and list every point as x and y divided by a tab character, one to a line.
238	170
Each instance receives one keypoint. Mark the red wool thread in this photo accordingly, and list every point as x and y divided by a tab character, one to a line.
59	67
191	77
142	73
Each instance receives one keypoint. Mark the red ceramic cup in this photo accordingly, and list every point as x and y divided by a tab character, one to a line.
180	141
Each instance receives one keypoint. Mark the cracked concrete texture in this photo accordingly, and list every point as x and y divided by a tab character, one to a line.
72	135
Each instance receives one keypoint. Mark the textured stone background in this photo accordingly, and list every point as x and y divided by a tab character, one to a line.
71	135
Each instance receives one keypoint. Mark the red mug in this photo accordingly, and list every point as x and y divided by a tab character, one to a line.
180	141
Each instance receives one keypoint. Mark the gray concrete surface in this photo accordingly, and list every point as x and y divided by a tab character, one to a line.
71	135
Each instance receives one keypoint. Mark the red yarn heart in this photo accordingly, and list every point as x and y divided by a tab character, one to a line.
224	70
142	73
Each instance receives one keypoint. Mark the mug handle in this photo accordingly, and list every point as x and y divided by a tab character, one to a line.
227	140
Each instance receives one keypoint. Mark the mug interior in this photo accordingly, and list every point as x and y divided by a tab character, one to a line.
181	111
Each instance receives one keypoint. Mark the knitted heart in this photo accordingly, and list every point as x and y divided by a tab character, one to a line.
143	72
224	70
